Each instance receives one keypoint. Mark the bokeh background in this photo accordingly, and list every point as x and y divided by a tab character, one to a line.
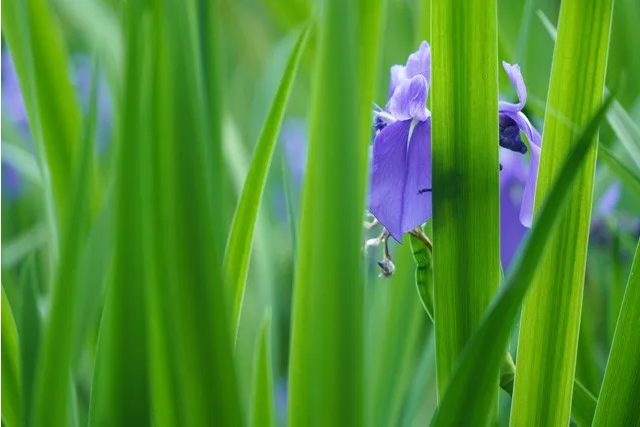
258	36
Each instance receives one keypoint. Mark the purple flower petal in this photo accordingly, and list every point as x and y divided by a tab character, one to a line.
398	75
528	198
513	111
418	63
409	101
513	71
417	189
400	196
609	200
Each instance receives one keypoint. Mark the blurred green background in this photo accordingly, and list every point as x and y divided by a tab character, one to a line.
256	40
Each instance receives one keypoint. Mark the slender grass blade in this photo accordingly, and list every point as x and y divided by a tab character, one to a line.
618	400
53	392
238	251
262	408
11	370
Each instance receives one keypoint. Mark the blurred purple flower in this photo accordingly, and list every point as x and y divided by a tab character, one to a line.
607	204
13	108
81	73
11	184
400	191
294	142
12	102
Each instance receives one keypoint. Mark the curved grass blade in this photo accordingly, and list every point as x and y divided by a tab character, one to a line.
630	177
626	130
467	400
11	370
262	408
618	400
326	374
52	399
550	319
424	273
238	253
583	403
30	331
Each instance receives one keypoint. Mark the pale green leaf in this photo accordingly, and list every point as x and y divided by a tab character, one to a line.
551	314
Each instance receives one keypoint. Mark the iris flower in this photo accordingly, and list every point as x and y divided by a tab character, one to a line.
400	186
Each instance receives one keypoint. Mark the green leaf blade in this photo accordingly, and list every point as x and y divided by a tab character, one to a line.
618	400
238	251
11	368
262	409
326	373
551	314
465	174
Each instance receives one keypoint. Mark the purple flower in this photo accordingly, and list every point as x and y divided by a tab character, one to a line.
400	188
12	101
609	200
400	192
81	73
294	143
512	122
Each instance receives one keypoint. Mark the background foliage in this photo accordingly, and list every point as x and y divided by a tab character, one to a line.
127	137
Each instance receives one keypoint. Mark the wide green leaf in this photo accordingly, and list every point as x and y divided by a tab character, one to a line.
119	389
618	400
11	369
551	315
326	373
467	399
238	251
466	263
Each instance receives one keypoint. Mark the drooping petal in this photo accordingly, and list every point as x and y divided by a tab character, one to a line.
534	138
409	101
388	176
528	198
417	190
514	74
419	63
